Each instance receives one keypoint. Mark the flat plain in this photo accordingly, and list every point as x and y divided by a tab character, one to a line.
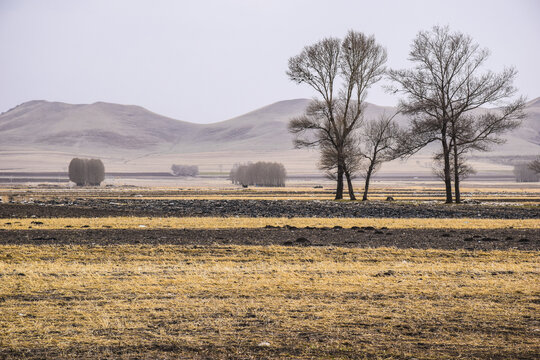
131	272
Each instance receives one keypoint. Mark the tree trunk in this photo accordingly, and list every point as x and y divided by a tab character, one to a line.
447	171
339	188
457	192
366	185
350	186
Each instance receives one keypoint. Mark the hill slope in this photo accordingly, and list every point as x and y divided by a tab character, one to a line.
104	127
126	133
95	128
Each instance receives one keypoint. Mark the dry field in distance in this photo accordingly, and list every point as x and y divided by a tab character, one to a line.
214	189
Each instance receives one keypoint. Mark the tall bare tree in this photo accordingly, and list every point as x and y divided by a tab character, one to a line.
340	72
443	90
380	143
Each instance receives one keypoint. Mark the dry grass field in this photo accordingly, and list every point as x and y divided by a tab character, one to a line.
267	302
123	222
64	296
525	193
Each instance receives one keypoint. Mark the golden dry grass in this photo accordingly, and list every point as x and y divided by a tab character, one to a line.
124	222
400	193
151	302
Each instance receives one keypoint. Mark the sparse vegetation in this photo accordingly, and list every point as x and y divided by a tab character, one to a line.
259	174
86	171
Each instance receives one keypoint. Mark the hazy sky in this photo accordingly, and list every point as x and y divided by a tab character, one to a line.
207	61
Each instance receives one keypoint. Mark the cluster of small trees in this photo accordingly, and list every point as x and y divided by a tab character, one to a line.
86	171
185	170
258	174
441	91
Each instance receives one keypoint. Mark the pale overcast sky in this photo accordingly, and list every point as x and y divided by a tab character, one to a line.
207	61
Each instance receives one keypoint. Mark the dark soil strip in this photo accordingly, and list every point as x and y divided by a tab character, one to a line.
263	208
500	239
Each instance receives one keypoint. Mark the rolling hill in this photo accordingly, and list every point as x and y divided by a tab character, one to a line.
42	135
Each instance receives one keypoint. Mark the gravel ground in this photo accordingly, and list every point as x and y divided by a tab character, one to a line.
362	237
264	208
499	239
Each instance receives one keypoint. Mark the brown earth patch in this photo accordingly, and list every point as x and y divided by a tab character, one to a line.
448	239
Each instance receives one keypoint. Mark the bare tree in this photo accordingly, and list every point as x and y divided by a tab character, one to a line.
340	71
380	142
524	173
464	169
535	165
259	174
478	133
444	88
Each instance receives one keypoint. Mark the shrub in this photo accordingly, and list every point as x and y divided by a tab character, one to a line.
77	171
95	172
86	171
185	170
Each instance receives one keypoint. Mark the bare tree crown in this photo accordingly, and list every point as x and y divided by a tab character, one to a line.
340	72
441	91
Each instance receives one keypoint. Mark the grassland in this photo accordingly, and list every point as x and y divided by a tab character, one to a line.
266	302
399	193
127	222
144	287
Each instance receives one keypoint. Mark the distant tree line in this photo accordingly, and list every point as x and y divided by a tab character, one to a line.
86	171
185	170
259	174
